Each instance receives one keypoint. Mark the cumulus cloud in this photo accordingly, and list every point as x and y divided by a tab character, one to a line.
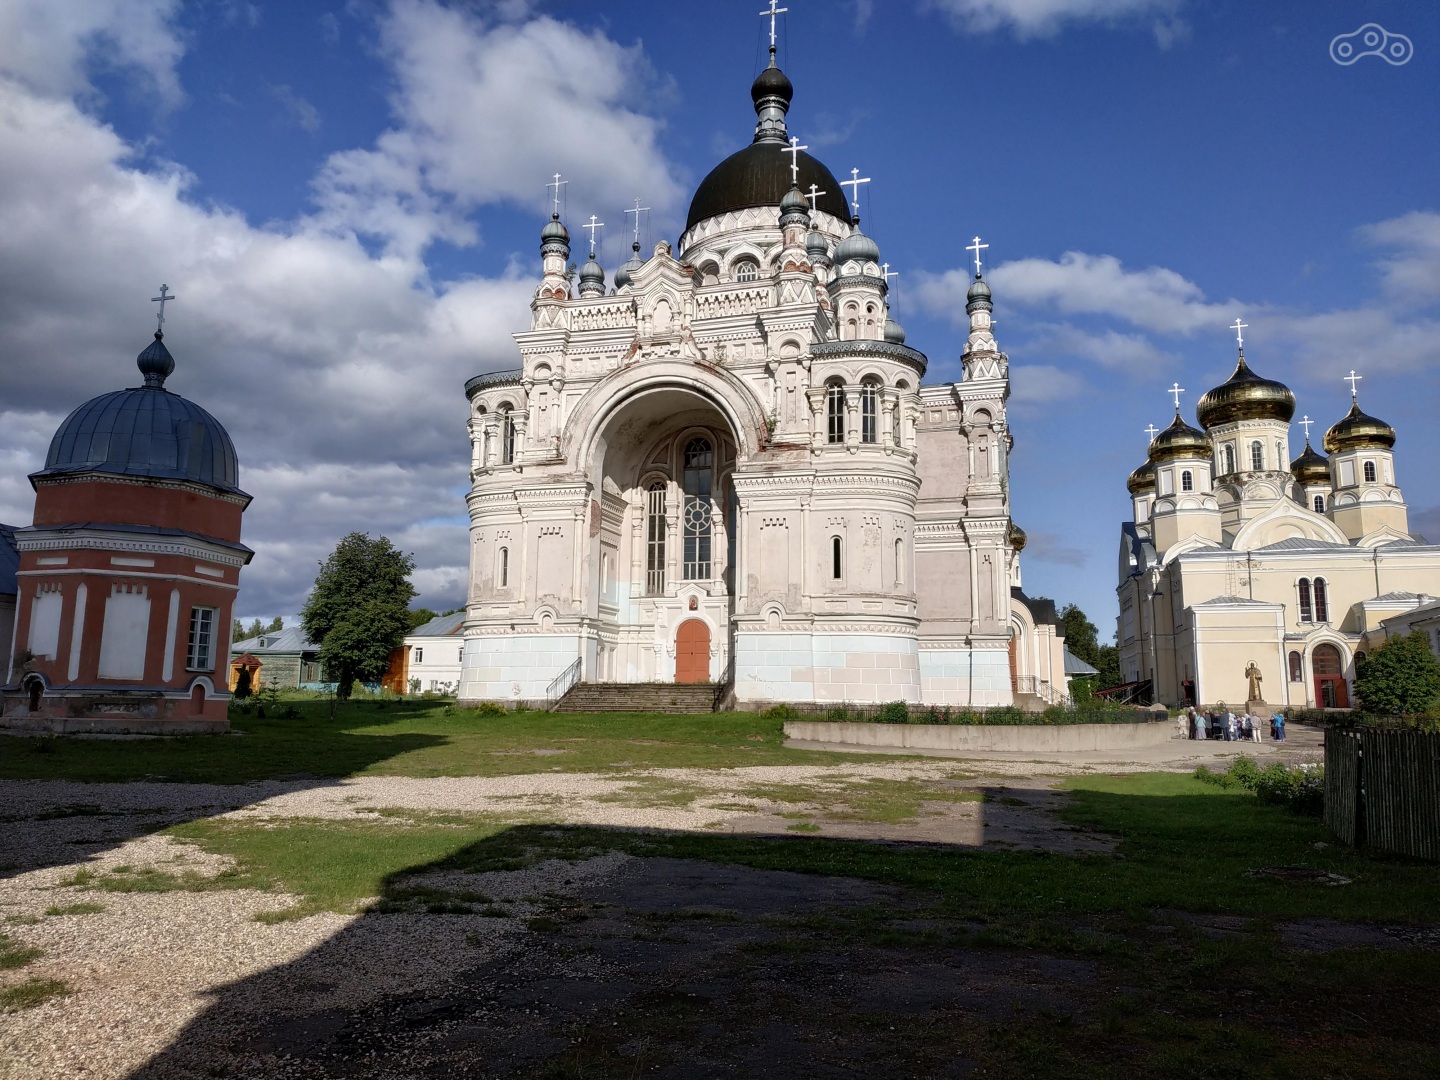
337	371
297	110
1034	385
1410	272
52	46
1046	18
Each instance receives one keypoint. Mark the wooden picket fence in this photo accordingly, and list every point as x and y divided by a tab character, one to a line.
1382	790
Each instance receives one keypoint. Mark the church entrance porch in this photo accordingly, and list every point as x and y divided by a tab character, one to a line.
692	652
1330	689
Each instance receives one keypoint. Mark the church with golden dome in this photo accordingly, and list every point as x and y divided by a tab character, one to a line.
1248	575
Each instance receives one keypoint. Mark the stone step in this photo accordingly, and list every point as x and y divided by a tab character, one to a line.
639	697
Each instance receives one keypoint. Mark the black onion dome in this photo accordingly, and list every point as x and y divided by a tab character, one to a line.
145	431
759	175
1245	396
1180	440
772	82
1359	431
1017	537
1142	479
1310	467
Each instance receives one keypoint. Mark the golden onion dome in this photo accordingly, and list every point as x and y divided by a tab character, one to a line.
1310	467
1142	479
1179	440
1359	431
1245	396
1017	537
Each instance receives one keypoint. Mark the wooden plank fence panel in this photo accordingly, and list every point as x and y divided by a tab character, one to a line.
1382	790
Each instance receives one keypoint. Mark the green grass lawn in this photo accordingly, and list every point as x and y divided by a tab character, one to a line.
414	739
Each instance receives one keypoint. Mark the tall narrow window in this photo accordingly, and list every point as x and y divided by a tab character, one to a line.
1307	613
1229	457
1296	674
836	566
1257	455
1319	504
899	562
655	539
835	413
1322	601
200	656
869	413
1187	480
419	654
699	514
504	574
507	435
1370	472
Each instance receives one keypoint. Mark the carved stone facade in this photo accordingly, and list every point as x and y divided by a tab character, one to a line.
728	466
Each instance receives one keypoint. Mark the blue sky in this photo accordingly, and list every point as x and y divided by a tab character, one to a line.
346	199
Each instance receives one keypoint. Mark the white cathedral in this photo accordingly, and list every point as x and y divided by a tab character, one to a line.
727	469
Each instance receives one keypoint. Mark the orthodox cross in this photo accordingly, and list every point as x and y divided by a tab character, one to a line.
977	247
637	212
1353	379
772	12
1175	391
166	294
1305	422
1152	431
794	151
854	185
1239	337
885	267
594	226
814	197
557	184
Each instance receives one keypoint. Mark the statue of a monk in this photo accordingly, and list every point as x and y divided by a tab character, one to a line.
1252	673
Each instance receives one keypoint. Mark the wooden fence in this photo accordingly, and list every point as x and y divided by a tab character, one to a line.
1382	790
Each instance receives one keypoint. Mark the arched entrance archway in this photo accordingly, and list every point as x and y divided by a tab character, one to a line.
1329	667
692	652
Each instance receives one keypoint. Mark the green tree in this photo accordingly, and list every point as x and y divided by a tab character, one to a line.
420	616
358	611
240	632
1400	678
1081	635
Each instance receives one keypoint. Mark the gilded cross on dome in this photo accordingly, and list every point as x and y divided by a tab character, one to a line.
166	294
794	151
1353	379
1239	337
1305	422
1176	390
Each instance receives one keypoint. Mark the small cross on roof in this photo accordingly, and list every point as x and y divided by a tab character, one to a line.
1152	431
1239	337
773	11
977	247
1305	422
814	196
637	212
594	225
794	151
557	184
166	294
1353	379
1176	390
854	185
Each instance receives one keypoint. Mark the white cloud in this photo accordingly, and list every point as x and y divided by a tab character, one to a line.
300	112
486	112
338	372
51	45
1411	273
1033	385
1134	354
1046	18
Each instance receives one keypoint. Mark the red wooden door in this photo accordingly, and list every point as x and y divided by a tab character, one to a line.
1330	689
692	652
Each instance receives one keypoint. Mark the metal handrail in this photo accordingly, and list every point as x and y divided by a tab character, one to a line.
724	684
563	683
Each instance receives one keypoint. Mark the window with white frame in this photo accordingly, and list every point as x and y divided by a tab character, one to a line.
835	413
869	411
1319	504
200	656
1370	472
746	270
419	654
1187	480
1257	455
1322	601
655	539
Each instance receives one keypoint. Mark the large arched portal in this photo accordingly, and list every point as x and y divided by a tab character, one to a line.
662	543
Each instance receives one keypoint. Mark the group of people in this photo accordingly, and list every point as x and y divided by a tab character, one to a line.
1227	725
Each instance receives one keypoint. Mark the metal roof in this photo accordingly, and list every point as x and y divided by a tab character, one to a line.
759	175
440	626
492	379
142	530
144	431
1075	666
290	640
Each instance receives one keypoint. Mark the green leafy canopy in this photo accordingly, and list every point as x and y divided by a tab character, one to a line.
1400	678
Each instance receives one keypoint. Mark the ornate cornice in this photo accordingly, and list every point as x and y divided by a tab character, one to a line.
493	380
190	547
840	350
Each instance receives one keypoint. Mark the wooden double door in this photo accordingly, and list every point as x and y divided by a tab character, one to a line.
692	652
1329	667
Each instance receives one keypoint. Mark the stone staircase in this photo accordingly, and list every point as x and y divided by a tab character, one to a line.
639	697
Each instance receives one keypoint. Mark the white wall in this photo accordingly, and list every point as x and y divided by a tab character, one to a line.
125	634
436	662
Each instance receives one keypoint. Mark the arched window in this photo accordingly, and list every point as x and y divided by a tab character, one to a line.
1319	504
709	274
746	270
1322	601
834	412
1229	456
503	570
699	514
1257	455
836	551
507	435
899	562
869	412
1306	611
1359	659
1187	480
655	539
1370	472
1297	673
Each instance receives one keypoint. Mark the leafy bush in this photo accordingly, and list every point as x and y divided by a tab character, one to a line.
893	712
1400	678
838	713
1302	788
781	712
489	708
